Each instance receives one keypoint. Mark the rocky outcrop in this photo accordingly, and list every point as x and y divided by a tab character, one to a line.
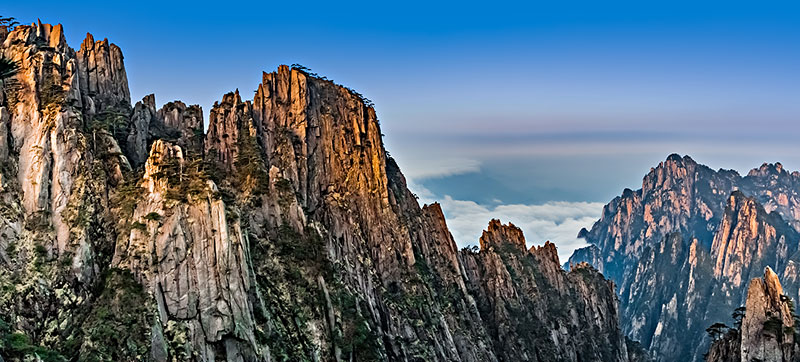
498	235
191	257
226	120
102	75
59	162
766	330
138	137
283	233
174	122
749	239
536	311
188	122
767	318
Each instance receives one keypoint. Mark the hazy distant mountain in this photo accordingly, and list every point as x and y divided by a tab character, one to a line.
683	248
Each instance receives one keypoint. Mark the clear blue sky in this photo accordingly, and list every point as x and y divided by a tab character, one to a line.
522	103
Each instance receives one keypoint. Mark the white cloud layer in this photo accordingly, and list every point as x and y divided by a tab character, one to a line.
557	221
417	166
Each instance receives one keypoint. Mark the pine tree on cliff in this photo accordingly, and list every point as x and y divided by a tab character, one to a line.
8	68
8	24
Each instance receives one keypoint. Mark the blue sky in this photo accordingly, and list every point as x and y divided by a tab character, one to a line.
526	106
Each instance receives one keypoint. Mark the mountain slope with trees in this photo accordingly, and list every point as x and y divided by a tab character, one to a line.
284	232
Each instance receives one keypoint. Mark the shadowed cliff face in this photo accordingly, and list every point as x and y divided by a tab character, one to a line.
284	233
683	246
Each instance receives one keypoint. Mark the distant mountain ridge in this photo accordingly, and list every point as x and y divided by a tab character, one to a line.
682	248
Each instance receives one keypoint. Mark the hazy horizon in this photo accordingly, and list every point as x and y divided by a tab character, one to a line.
537	114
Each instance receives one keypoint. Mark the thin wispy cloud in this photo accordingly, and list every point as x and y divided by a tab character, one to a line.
420	166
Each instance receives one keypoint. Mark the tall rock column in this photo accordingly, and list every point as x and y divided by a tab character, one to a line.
103	80
767	319
767	329
143	115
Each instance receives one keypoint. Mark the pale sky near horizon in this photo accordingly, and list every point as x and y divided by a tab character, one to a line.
537	113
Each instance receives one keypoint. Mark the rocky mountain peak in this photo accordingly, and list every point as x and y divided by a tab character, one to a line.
104	77
547	251
187	121
768	169
773	286
737	227
767	313
283	233
674	157
498	234
671	173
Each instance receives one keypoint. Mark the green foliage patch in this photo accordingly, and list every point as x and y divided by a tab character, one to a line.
16	346
118	326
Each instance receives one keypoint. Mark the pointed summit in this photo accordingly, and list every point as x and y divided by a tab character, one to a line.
499	234
767	313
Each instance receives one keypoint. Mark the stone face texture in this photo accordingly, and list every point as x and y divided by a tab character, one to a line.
144	113
188	121
56	177
102	75
748	240
767	327
225	122
174	122
283	233
683	247
497	235
52	172
193	258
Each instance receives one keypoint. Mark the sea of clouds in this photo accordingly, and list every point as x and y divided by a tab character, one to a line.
556	221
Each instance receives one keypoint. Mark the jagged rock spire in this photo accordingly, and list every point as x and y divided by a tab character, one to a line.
173	121
103	77
498	234
767	326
